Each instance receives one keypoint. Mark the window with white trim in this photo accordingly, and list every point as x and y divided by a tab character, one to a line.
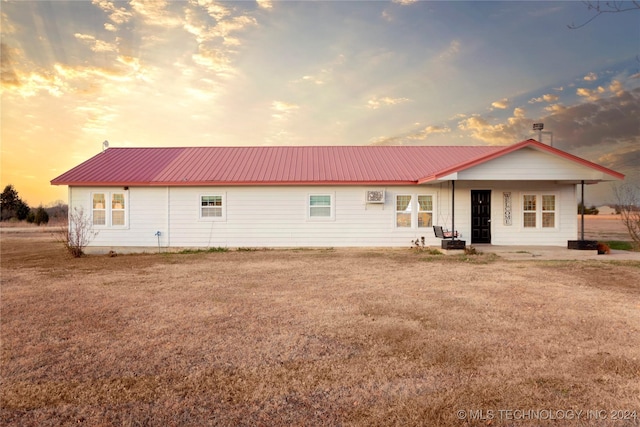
117	209
529	210
539	211
320	206
548	211
425	210
403	211
211	206
99	209
109	209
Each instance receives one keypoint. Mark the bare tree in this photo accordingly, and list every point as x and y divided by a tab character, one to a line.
78	234
602	7
628	199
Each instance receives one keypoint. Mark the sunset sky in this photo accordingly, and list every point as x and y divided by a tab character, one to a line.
199	72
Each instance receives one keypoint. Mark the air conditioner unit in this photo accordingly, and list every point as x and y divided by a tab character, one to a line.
375	196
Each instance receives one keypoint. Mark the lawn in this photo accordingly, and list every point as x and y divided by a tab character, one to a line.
315	337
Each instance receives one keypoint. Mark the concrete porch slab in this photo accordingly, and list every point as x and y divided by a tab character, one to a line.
554	253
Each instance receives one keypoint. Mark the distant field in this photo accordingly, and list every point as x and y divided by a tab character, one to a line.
314	337
603	227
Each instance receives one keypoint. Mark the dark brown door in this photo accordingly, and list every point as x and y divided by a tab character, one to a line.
480	216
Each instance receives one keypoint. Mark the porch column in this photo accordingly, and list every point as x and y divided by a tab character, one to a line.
582	212
582	244
453	243
453	210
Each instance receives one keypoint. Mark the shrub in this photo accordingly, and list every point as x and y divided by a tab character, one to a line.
41	216
78	234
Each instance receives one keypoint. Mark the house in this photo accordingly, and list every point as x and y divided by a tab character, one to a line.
143	198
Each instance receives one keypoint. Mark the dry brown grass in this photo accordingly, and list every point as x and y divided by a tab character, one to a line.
311	337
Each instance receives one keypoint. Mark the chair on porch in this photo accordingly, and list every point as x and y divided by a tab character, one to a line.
444	234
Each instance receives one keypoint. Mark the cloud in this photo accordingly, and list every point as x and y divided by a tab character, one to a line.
225	28
325	74
411	138
599	121
501	104
217	45
544	98
213	8
625	157
312	79
7	60
616	87
404	2
6	24
429	130
96	118
516	128
376	102
96	45
118	15
215	60
590	94
591	77
154	12
265	4
282	110
452	50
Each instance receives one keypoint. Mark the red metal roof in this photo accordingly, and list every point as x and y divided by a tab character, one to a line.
342	165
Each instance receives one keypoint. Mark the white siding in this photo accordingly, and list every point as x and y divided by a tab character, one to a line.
146	215
516	234
530	164
277	216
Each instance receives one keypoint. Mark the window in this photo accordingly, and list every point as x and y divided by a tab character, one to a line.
99	210
109	209
548	211
412	209
425	211
210	206
529	211
539	211
403	211
320	206
117	209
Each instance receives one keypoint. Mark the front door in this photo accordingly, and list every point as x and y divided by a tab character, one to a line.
480	216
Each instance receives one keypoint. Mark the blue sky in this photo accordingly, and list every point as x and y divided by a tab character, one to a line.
198	72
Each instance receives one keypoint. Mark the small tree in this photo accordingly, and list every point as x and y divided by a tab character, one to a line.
588	211
41	216
78	234
11	205
628	198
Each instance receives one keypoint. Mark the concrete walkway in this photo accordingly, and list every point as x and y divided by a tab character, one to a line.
554	253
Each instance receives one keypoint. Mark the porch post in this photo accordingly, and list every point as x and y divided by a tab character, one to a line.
582	212
582	244
453	209
453	243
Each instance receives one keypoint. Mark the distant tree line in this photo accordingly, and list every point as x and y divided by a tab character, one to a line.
13	208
